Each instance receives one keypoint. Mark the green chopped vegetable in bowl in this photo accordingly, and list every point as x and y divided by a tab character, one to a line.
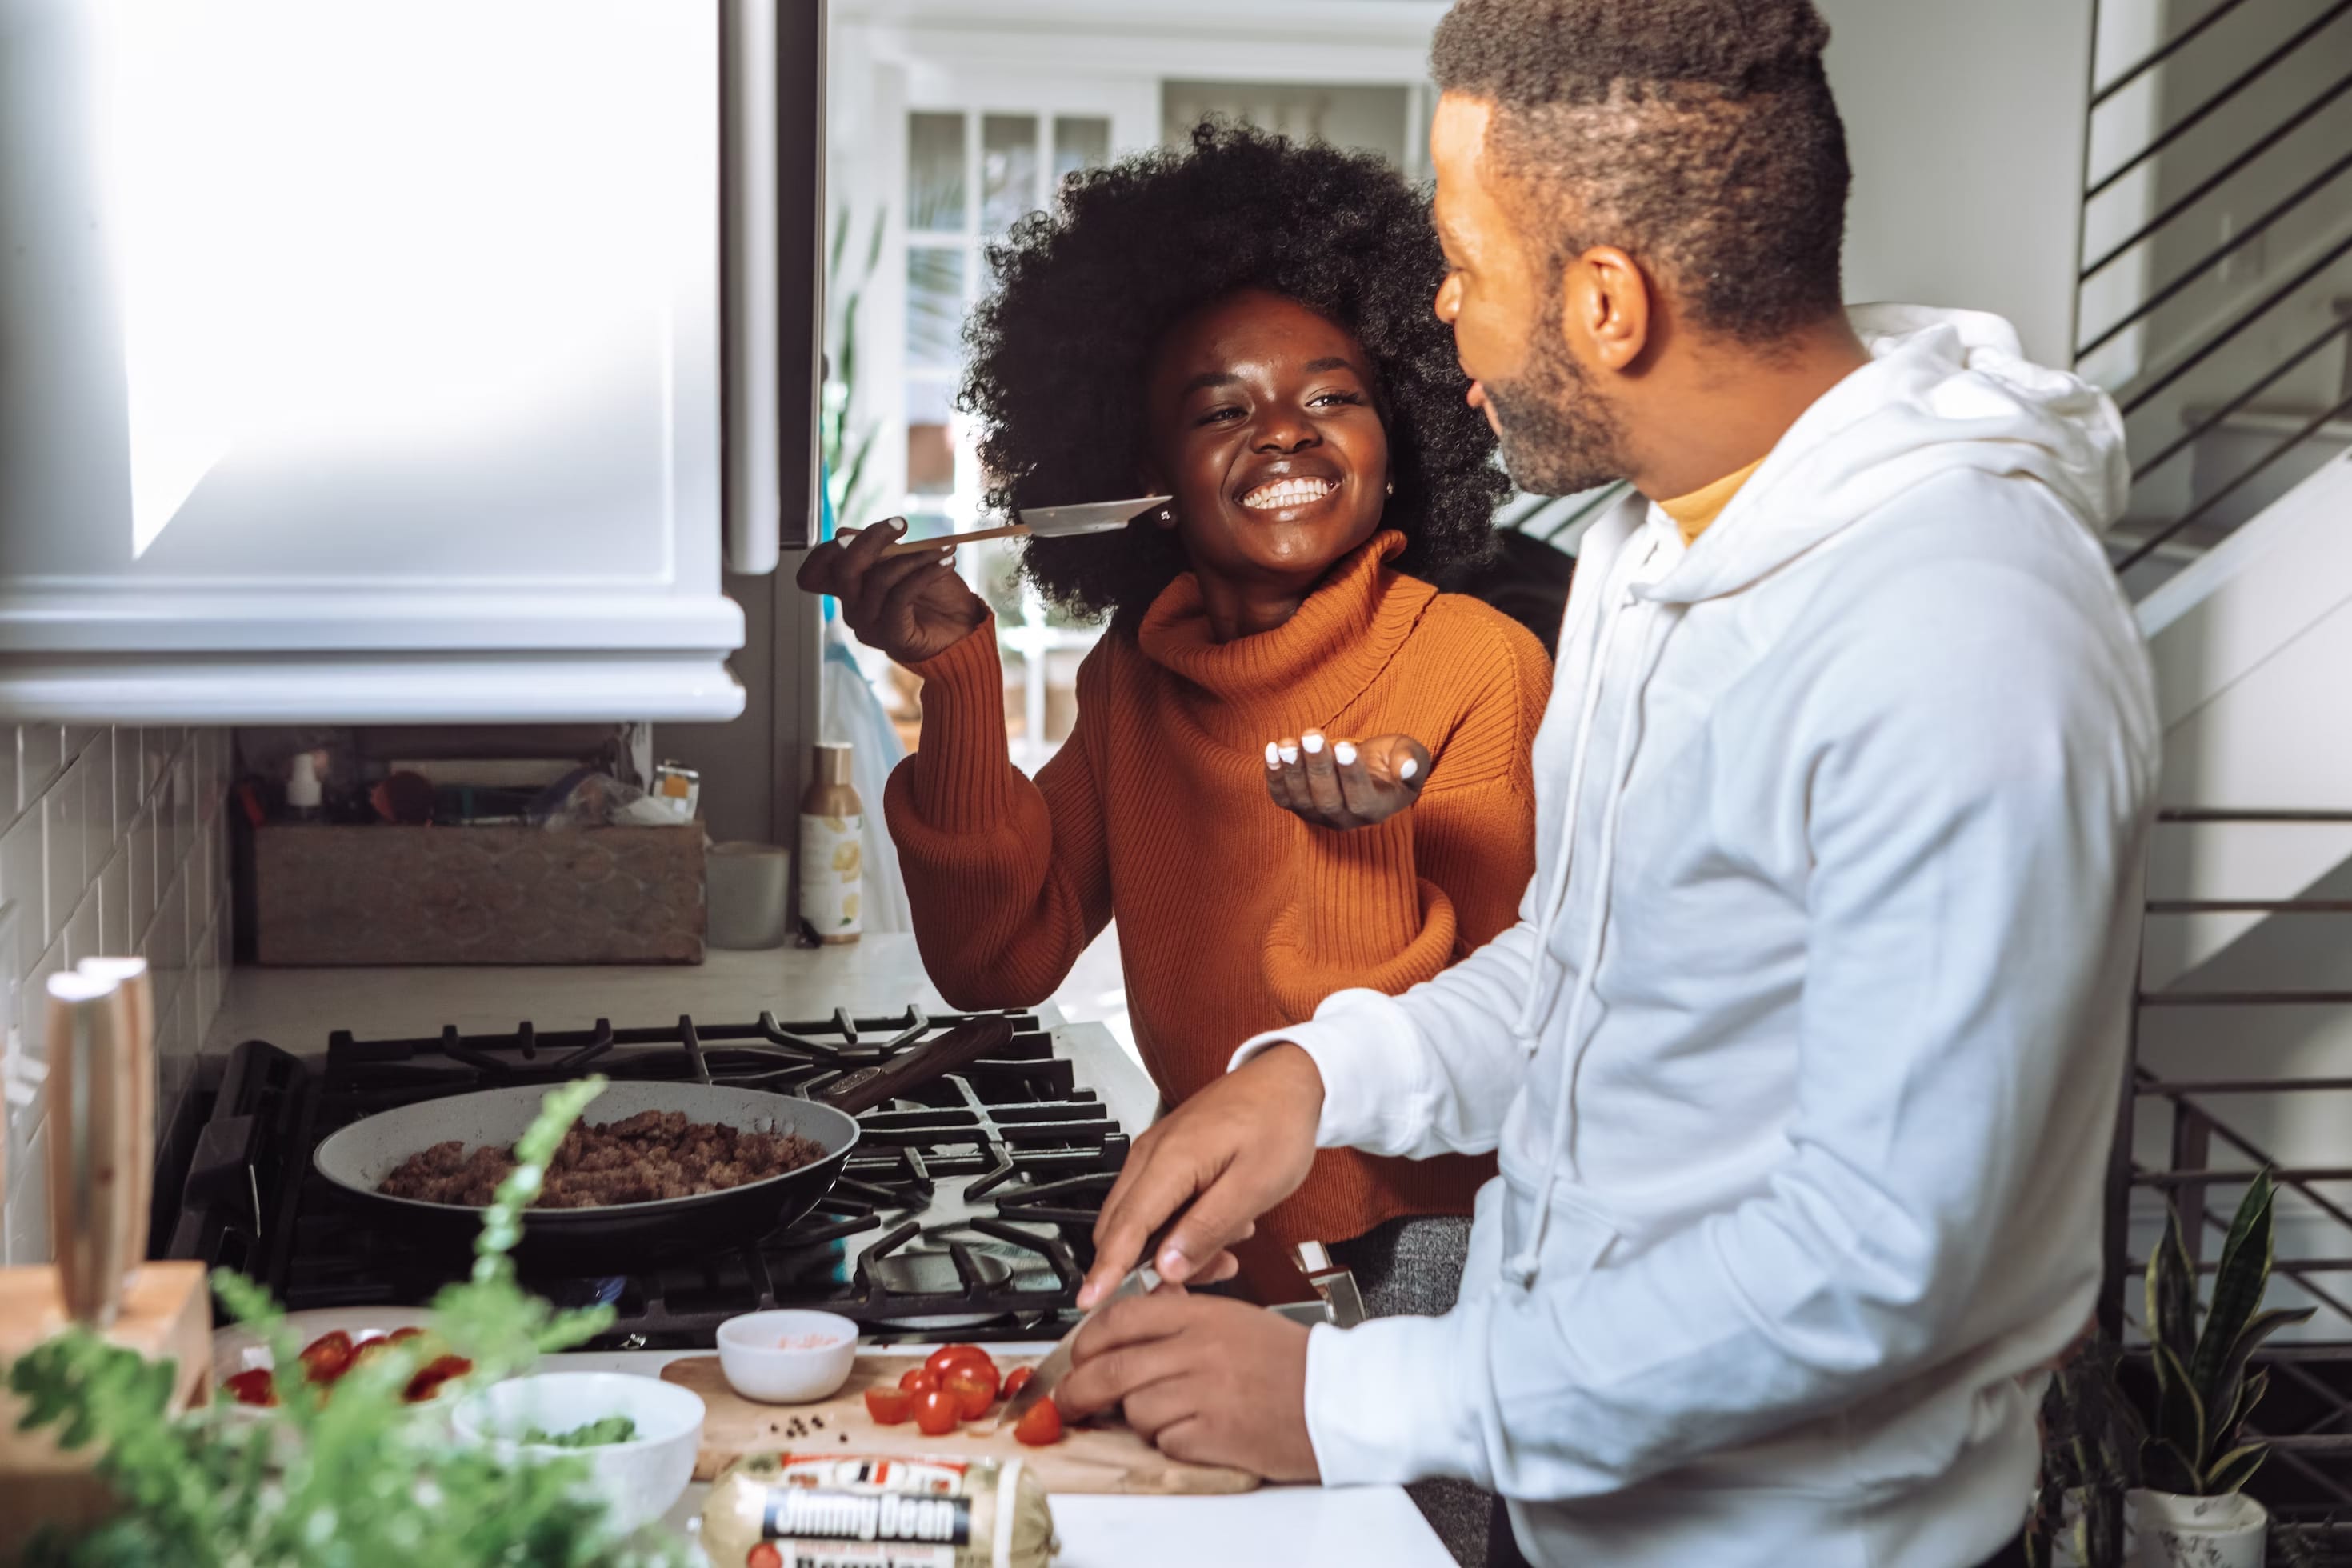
594	1435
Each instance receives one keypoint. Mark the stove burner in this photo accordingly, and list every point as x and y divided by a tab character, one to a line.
969	1204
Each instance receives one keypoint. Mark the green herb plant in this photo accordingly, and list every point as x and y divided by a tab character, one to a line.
2204	1390
361	1481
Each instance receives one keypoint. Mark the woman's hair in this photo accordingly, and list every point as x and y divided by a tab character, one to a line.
1060	352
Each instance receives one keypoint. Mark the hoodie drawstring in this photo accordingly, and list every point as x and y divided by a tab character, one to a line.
1525	1264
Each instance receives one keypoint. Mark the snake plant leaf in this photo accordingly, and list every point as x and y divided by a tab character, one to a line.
2238	1286
2249	1395
2172	1295
2226	1392
2180	1411
2231	1472
2165	1467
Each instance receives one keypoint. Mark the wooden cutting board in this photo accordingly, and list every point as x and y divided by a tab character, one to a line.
1106	1457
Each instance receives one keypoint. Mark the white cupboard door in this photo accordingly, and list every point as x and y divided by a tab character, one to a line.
363	360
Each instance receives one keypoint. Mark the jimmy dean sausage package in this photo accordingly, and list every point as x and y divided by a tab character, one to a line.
867	1510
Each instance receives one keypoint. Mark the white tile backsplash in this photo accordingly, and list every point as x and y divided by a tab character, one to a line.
111	841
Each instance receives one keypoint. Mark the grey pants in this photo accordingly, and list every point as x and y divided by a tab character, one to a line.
1412	1267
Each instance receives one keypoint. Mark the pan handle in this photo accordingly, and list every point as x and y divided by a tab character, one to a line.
960	1047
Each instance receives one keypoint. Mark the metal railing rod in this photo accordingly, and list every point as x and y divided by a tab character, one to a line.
2219	254
2212	182
2182	1086
2165	51
2229	334
2245	999
2215	1177
2205	814
2230	89
2250	906
2221	415
2262	1157
2307	1265
2197	514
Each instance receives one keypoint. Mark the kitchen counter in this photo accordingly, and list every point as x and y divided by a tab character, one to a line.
1298	1527
297	1009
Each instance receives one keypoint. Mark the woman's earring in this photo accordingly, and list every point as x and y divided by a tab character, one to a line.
1391	486
1167	514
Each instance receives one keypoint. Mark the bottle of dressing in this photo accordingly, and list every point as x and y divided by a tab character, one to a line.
832	847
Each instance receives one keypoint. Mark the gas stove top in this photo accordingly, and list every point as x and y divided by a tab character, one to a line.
968	1207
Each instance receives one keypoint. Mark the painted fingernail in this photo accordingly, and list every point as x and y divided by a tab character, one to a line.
1344	754
1313	742
896	525
1273	755
1289	754
1407	768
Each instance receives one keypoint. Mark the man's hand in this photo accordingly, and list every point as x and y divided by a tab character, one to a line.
1232	1151
1346	784
1205	1379
911	606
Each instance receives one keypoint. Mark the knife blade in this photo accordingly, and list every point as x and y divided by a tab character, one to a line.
1049	1372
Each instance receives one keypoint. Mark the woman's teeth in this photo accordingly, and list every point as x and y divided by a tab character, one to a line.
1288	492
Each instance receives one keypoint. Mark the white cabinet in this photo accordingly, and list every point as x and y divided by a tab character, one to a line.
363	361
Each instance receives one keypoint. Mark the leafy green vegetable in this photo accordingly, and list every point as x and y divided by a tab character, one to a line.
593	1434
364	1481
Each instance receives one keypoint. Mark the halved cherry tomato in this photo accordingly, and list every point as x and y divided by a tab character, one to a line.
936	1413
401	1336
947	1356
1015	1380
889	1406
1042	1424
327	1357
918	1380
427	1382
253	1387
974	1390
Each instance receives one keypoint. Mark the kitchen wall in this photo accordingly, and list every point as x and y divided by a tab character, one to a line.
112	841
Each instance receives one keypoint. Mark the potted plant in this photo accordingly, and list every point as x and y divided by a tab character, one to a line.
2191	1511
354	1480
2091	1439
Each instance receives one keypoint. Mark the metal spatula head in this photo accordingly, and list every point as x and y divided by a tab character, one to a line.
1093	517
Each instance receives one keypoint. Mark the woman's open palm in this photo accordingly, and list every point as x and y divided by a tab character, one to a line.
1346	784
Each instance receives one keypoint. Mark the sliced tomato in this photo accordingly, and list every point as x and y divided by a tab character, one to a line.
327	1357
918	1380
936	1413
401	1336
1017	1379
429	1378
1042	1424
974	1390
947	1356
253	1387
889	1406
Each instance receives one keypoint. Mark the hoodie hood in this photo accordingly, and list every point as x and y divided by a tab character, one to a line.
1944	389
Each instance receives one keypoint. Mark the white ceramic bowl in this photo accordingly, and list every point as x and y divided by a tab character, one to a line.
638	1482
761	1364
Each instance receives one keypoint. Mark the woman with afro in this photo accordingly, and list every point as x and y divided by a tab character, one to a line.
1296	767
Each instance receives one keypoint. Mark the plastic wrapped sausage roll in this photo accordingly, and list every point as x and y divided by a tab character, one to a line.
871	1510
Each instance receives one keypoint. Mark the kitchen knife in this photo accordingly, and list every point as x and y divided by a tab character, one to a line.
1050	1372
1046	522
97	1239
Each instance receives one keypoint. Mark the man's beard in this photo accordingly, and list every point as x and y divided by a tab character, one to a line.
1560	436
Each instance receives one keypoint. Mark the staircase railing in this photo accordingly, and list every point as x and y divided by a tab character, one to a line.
2303	60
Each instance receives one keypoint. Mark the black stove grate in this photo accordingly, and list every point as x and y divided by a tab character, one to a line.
968	1207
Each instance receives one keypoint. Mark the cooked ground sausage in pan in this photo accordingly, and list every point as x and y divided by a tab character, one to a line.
652	1155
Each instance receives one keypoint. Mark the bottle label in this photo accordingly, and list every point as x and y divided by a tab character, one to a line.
833	865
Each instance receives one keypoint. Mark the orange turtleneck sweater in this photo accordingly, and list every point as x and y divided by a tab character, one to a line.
1234	915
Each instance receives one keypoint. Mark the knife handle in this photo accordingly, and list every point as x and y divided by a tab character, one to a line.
92	1104
915	546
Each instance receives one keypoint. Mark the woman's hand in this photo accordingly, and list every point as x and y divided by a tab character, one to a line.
1346	784
911	606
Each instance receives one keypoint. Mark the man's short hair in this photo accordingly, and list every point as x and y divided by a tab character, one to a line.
1698	135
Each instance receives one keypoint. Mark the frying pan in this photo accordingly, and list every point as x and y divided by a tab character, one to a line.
619	1237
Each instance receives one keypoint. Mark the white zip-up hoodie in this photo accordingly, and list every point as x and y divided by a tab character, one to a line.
1804	1058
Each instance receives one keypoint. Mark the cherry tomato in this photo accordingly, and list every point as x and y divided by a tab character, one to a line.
427	1382
401	1336
253	1387
936	1413
763	1555
889	1406
974	1390
918	1380
947	1356
1041	1426
1017	1379
327	1357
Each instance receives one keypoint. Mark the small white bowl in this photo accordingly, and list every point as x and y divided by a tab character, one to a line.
638	1482
760	1365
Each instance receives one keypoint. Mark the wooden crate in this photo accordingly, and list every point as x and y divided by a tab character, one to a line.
391	895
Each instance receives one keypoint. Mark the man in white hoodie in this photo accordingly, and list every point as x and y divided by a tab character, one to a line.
1803	1061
